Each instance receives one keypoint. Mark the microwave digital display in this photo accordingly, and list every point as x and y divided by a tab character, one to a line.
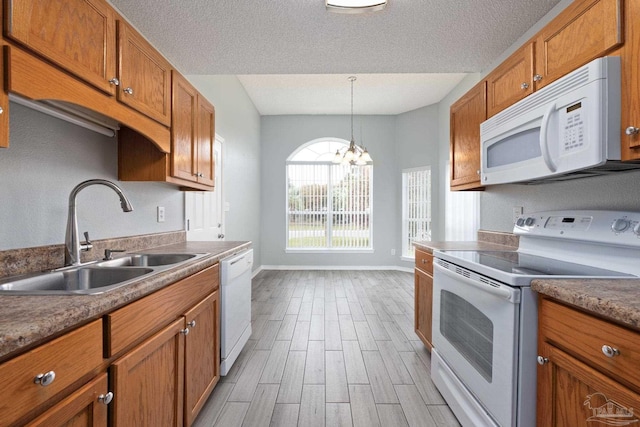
574	107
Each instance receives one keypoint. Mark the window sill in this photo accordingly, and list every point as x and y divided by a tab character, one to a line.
328	251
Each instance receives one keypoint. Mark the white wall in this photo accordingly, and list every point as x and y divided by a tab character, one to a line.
238	122
46	159
417	145
281	135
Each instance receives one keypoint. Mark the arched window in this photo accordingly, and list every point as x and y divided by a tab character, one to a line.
328	204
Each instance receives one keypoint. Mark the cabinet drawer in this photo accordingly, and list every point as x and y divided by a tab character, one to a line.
584	336
70	357
138	320
424	261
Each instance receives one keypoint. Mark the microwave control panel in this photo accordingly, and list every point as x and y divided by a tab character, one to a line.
573	127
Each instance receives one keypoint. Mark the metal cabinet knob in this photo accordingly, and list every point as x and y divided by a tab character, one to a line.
184	331
1	110
632	130
524	86
542	360
114	81
478	172
105	398
537	78
609	351
45	379
128	90
192	324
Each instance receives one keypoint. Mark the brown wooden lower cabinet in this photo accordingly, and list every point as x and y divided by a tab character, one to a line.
166	379
85	407
423	296
577	381
202	355
148	381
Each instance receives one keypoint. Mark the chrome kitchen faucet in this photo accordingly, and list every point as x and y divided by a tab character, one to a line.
72	241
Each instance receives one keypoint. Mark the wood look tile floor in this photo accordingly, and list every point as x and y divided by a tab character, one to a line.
330	348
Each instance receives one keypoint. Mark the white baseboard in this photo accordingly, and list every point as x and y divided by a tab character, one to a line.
332	267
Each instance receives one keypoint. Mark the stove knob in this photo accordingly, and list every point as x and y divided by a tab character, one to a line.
530	221
620	225
520	222
636	229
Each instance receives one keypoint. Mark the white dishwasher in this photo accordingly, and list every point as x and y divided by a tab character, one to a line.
235	328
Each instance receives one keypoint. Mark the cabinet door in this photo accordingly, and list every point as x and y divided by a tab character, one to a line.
4	104
145	76
510	81
206	138
183	129
571	393
77	35
202	354
423	306
466	115
631	84
83	408
585	30
148	381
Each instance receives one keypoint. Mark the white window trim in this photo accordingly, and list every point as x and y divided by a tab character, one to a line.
405	222
326	250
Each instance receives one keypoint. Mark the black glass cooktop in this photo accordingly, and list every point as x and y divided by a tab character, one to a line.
529	265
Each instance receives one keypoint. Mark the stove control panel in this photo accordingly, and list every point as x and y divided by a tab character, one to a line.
617	227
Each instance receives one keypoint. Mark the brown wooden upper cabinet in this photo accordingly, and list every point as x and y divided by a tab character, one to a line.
630	120
4	102
77	35
192	134
585	30
466	114
145	76
510	81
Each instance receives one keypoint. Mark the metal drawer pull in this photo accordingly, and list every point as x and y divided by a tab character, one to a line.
114	81
192	324
45	379
524	86
105	398
424	261
184	331
609	351
542	360
632	130
128	90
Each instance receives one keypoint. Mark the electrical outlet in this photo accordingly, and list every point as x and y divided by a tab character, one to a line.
517	211
160	213
393	251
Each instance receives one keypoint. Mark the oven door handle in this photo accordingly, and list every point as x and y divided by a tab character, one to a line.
509	294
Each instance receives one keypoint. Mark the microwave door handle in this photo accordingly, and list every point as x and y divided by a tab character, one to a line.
544	140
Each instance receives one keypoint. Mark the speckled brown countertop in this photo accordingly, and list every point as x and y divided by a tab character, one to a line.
27	320
615	299
487	241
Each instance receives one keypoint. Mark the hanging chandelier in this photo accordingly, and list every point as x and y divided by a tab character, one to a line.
354	154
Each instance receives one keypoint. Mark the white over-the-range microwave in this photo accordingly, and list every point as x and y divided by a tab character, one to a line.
568	129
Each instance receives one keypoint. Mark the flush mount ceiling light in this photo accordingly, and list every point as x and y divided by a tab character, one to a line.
355	6
355	154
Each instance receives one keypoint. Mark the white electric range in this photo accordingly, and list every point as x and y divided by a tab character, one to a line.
485	314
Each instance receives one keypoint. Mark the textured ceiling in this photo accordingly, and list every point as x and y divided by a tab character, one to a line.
250	37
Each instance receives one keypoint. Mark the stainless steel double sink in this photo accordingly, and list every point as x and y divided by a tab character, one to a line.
93	278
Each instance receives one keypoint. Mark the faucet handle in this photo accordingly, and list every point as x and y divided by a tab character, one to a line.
86	246
108	252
